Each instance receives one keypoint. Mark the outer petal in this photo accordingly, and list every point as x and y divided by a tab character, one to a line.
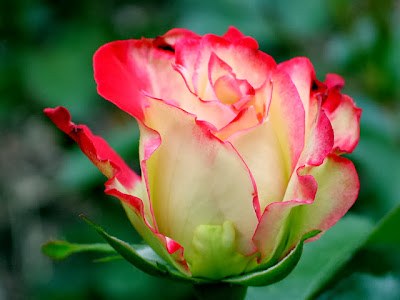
301	189
233	34
343	114
193	178
260	149
302	73
94	147
287	115
127	72
172	37
123	184
320	139
124	69
284	223
272	149
167	248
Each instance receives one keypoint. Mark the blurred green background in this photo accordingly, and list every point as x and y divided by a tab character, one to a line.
46	50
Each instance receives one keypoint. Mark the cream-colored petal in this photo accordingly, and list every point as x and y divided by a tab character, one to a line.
195	179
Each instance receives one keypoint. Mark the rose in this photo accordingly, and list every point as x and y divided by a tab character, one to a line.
239	156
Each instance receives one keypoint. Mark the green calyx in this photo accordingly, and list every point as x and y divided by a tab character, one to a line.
214	253
214	259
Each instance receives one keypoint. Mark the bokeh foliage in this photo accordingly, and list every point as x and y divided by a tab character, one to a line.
46	50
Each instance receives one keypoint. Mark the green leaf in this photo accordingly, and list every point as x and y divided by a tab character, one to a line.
320	261
143	257
278	271
385	232
62	249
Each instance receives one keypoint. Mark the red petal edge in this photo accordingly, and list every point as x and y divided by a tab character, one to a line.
113	167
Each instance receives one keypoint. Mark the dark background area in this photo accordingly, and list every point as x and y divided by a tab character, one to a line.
46	50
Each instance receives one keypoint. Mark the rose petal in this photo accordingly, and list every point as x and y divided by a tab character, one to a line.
233	34
175	35
334	80
167	248
272	149
120	64
261	151
286	112
123	184
284	223
194	57
320	139
344	116
246	119
302	73
190	172
94	147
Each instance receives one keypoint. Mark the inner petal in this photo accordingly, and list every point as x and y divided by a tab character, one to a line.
227	89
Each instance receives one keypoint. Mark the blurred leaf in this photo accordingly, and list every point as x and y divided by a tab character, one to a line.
277	272
62	249
377	160
60	73
386	233
320	261
366	287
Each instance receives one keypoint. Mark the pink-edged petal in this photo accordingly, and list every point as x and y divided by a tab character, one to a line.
284	223
213	112
257	68
344	116
224	86
320	139
246	119
251	115
123	183
302	73
194	178
318	146
287	115
186	53
217	68
260	149
94	147
272	149
334	80
124	69
194	57
127	72
172	37
233	34
301	188
167	248
261	99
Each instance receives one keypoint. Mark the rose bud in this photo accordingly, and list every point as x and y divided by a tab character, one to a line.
239	156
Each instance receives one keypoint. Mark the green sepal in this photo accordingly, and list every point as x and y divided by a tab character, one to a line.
143	257
59	250
108	258
275	273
